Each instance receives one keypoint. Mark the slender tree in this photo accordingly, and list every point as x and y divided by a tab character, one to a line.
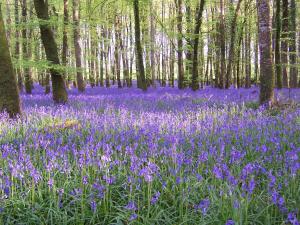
58	84
181	81
17	45
65	38
266	63
26	70
76	31
195	73
9	94
284	41
232	45
277	45
292	46
138	46
152	37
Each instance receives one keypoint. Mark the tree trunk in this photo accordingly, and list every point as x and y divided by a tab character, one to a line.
65	39
17	46
266	64
284	42
222	44
232	45
25	50
181	81
76	18
138	46
292	46
195	72
9	94
277	45
58	85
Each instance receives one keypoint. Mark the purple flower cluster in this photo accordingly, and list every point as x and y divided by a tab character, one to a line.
183	145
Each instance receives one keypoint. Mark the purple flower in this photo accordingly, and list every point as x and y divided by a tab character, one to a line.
93	205
230	222
218	172
155	198
203	206
50	182
131	206
133	216
292	218
85	180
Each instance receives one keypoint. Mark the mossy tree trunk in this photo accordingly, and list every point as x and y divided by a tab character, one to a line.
9	93
58	84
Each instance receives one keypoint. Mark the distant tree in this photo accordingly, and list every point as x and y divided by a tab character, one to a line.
266	63
138	46
58	84
9	94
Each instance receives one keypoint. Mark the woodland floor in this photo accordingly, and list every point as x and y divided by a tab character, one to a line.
167	156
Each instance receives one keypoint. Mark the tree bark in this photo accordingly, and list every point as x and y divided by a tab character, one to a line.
266	64
222	43
195	72
17	45
138	46
65	39
292	46
9	93
232	45
284	41
152	51
25	50
76	18
181	81
58	85
277	45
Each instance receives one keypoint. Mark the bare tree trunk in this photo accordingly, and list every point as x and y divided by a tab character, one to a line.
277	45
181	81
152	51
138	46
65	39
195	72
9	94
292	46
58	85
76	18
284	42
17	46
232	45
25	50
266	63
222	44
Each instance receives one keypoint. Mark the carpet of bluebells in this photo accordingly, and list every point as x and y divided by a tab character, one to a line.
163	157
